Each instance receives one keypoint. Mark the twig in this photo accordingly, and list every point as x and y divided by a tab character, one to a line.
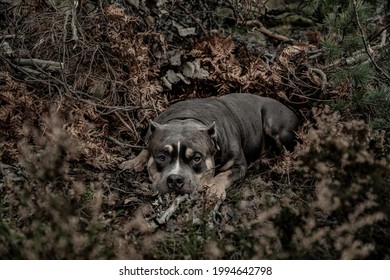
112	139
383	38
10	36
314	53
366	45
169	212
380	33
260	27
28	70
322	75
69	92
75	37
124	123
114	109
197	21
46	64
354	58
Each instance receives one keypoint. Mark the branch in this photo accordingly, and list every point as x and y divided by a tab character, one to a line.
46	64
366	45
117	142
354	58
322	75
72	13
169	212
197	21
260	27
10	36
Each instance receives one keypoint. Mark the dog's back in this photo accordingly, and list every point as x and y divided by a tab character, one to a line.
241	119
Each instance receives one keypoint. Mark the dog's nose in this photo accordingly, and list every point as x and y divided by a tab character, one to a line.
175	181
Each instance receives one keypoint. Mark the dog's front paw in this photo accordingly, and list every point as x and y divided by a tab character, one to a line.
215	191
137	164
132	164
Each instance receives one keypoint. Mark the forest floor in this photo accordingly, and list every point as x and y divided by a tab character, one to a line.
78	86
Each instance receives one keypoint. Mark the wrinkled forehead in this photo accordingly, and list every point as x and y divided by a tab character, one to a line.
186	138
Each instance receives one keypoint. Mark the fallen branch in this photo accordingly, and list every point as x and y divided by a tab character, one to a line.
257	25
197	21
381	33
75	37
124	123
28	70
71	12
45	64
366	45
356	57
322	75
10	36
119	143
169	212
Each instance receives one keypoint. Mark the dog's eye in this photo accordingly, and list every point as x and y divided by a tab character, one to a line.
197	159
161	158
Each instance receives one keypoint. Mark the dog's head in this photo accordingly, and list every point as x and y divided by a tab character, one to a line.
181	155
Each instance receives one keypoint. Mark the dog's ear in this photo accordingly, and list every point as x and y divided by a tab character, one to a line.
153	126
212	131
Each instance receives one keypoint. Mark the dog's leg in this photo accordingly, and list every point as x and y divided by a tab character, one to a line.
216	187
138	163
282	133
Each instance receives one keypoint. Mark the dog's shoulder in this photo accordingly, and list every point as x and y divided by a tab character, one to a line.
204	110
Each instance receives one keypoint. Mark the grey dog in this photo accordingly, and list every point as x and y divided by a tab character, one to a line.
209	142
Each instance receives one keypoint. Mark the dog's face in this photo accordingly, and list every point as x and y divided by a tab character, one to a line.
181	156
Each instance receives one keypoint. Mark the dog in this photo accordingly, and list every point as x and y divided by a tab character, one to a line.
209	143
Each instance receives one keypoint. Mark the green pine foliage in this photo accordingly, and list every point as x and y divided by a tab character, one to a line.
345	51
377	102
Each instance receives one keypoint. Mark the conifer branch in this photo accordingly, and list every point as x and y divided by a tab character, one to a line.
366	45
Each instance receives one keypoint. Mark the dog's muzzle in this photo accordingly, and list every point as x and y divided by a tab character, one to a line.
175	182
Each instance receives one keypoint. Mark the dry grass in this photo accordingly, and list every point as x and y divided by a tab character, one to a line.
63	133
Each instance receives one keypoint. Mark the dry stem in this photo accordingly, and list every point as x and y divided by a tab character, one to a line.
366	45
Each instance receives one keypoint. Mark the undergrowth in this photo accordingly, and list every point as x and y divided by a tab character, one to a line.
66	124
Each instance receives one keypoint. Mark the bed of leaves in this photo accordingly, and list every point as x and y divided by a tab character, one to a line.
78	84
